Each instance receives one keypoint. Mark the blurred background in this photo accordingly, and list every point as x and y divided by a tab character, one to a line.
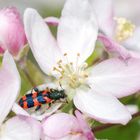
127	8
123	8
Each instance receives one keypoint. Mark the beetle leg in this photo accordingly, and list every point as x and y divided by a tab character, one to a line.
38	107
49	105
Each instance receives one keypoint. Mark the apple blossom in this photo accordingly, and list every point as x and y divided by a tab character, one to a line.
18	127
94	90
68	127
12	35
119	35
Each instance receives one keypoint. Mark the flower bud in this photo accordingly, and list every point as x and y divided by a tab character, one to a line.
12	35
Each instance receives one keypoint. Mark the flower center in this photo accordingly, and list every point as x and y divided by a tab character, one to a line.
71	74
124	29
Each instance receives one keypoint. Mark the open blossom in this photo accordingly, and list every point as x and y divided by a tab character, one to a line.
119	35
93	89
68	127
12	35
18	127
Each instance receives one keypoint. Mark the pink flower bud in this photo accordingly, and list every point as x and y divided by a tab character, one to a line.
65	126
12	35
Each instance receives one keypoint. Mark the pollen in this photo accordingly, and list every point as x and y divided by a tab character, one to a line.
124	29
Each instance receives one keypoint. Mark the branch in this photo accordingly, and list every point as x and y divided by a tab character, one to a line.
105	126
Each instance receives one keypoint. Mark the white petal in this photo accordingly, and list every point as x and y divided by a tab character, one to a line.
104	108
133	42
77	30
16	129
116	77
41	41
19	110
9	85
53	21
105	15
54	107
132	109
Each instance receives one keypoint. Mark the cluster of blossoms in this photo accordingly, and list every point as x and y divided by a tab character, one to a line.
94	90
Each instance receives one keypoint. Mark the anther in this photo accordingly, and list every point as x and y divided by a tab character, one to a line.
85	75
65	54
56	69
78	54
60	61
61	77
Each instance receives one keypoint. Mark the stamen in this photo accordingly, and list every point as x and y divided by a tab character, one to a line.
65	55
85	75
84	66
71	74
77	59
59	62
56	69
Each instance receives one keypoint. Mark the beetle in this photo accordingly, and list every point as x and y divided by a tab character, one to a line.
38	97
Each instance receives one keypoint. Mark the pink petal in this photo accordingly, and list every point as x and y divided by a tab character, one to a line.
104	108
105	13
133	43
17	129
65	125
12	35
135	54
41	41
1	50
84	126
115	77
77	30
68	137
53	21
74	137
35	127
113	47
9	85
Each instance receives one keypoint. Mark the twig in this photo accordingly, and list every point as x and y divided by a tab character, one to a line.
105	126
